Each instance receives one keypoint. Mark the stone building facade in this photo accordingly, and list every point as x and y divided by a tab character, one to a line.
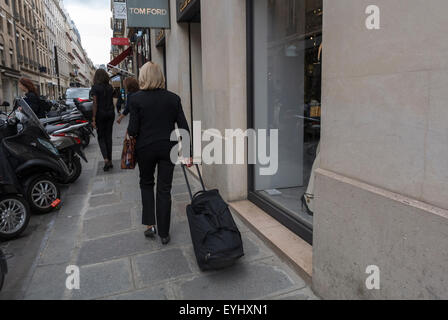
35	43
362	133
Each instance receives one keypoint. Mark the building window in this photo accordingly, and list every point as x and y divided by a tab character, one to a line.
11	55
286	81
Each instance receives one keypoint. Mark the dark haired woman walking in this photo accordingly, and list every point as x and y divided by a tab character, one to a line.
103	114
31	96
131	85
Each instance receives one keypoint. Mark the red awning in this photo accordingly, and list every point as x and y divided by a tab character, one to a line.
120	57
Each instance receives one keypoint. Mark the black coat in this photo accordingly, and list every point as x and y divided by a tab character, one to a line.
34	102
126	108
154	114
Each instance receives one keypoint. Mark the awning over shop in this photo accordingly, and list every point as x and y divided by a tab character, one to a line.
116	79
120	58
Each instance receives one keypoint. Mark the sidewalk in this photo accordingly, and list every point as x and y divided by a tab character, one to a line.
99	229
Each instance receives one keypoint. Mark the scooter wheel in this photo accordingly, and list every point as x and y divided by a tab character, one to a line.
14	216
75	168
41	192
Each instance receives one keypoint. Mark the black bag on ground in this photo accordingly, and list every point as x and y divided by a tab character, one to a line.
216	239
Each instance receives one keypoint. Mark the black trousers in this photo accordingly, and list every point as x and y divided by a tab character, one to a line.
148	158
105	125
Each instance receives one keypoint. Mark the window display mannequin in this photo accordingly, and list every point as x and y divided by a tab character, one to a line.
308	197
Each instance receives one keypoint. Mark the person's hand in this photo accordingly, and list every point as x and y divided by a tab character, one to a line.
120	118
187	162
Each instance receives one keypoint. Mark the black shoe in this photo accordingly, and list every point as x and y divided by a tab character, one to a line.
106	167
166	240
151	232
111	165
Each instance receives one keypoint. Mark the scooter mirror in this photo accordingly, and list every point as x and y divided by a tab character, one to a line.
5	104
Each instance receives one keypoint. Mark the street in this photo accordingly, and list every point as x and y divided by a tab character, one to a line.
99	230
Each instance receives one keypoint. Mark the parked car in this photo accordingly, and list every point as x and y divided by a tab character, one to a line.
73	95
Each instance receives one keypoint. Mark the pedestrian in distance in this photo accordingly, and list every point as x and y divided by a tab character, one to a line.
132	86
31	96
154	113
118	100
103	114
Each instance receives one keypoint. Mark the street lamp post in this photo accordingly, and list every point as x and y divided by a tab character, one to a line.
56	61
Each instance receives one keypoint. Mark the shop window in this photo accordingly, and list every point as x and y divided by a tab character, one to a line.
286	64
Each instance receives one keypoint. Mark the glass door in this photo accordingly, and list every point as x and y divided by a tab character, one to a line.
286	51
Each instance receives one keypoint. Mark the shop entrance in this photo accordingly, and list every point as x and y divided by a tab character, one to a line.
285	55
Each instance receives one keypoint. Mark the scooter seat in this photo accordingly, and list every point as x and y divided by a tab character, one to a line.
51	129
50	120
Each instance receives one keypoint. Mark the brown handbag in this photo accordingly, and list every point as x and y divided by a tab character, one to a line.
128	154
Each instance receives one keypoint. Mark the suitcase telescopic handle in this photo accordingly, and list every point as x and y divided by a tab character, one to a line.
188	182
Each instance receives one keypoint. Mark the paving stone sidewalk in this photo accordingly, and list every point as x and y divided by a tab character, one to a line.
99	230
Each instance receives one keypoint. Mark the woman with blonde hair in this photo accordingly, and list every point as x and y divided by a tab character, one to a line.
154	113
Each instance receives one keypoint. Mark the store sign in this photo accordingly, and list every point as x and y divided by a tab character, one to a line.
148	14
120	10
160	38
188	10
120	42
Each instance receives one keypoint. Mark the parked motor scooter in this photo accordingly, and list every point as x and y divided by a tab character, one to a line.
72	117
14	209
85	107
36	162
70	148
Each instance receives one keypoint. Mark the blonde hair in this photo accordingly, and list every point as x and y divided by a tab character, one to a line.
151	77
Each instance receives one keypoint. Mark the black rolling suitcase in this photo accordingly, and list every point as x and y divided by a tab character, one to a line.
216	239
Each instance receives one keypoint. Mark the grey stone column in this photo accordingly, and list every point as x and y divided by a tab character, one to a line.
223	26
177	64
381	190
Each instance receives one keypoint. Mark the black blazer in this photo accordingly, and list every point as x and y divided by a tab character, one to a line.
126	108
34	102
154	114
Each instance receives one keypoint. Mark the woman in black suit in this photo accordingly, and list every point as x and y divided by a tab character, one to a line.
154	113
103	114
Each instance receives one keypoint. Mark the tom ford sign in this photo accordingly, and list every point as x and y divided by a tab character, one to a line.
148	14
